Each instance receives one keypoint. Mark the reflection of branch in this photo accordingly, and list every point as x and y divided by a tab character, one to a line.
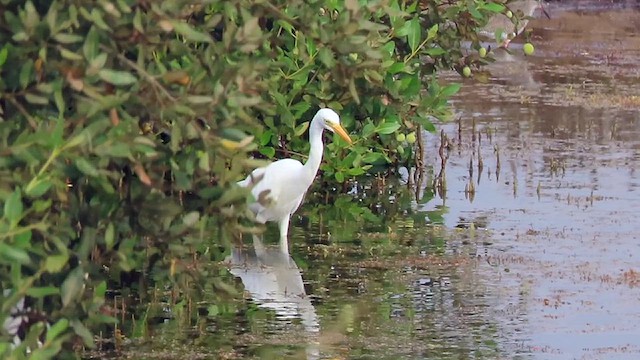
420	142
440	181
23	111
418	174
144	74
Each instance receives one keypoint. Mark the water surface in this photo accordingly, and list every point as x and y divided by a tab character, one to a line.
534	254
559	138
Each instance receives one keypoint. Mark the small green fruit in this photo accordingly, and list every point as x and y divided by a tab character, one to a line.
400	137
528	49
509	14
482	52
466	71
411	138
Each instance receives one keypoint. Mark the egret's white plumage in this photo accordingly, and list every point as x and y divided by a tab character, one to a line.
280	187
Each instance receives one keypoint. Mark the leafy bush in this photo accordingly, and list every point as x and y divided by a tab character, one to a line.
125	124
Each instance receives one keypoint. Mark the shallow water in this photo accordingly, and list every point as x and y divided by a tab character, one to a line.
540	260
562	206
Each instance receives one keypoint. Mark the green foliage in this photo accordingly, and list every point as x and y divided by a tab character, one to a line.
125	124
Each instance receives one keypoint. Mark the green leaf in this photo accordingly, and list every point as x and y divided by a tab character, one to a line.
203	161
98	62
116	77
433	31
199	99
265	138
96	16
33	336
311	47
387	128
69	55
45	88
59	100
55	137
32	17
37	188
137	21
372	157
86	167
80	139
368	130
493	7
301	129
41	205
397	67
190	33
13	207
191	218
268	151
184	109
64	38
26	73
339	176
20	36
435	51
115	150
3	54
450	90
474	12
56	329
55	263
36	99
71	289
327	57
109	236
40	292
499	33
356	171
52	17
82	331
23	239
14	254
353	91
100	290
415	33
90	47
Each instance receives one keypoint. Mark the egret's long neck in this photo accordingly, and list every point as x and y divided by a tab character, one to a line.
317	147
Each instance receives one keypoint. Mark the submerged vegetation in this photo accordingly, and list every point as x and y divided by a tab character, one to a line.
125	124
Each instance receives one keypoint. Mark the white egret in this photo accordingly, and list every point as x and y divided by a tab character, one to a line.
280	187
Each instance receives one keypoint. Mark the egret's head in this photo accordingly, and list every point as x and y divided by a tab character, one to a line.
331	121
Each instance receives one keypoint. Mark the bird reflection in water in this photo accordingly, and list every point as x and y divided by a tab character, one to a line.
274	282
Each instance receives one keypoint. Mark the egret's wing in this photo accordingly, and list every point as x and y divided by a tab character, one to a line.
253	178
280	191
298	202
